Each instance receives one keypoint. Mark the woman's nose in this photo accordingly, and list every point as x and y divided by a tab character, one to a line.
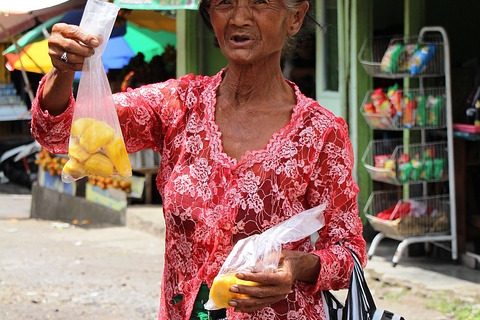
241	13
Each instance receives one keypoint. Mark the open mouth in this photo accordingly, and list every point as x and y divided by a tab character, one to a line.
240	39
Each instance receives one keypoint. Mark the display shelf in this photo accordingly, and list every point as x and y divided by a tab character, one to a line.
468	128
397	109
396	57
388	161
431	217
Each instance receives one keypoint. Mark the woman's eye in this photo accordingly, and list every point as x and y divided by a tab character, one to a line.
260	1
223	2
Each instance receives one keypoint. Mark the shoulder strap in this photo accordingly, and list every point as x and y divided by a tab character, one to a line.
359	304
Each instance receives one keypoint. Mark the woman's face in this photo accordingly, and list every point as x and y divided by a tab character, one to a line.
250	31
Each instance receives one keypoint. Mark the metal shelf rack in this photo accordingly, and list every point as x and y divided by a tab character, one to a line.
437	225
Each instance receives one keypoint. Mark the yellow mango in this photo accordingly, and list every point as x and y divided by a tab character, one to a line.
80	125
76	151
99	165
117	153
220	291
96	135
74	169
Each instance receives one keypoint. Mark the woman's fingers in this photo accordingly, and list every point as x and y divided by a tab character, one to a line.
72	63
263	291
279	277
74	32
254	304
69	46
273	287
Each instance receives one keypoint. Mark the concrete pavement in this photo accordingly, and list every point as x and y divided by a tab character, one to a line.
15	206
420	275
55	270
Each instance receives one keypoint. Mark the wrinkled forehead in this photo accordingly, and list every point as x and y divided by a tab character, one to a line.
206	4
288	3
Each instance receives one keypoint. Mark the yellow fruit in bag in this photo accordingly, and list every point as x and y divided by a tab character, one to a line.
77	152
220	291
94	144
96	135
74	169
99	165
80	125
117	153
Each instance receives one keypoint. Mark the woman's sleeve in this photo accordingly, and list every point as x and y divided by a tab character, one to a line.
143	113
332	182
147	112
52	132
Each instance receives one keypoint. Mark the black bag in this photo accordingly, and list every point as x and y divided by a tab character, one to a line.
359	304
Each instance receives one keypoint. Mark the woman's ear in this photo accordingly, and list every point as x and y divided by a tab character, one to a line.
296	18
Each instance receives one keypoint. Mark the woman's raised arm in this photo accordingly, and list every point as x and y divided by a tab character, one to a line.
68	47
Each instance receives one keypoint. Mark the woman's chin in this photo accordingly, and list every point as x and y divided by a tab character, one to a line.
250	60
240	58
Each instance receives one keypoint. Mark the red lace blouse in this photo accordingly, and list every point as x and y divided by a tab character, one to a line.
211	200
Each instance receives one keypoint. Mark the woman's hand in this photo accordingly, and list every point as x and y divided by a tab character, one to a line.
68	47
275	286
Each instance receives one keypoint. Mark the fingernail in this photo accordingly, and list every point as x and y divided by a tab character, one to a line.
240	275
94	42
234	288
233	303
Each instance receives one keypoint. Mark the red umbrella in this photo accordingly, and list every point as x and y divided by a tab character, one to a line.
14	19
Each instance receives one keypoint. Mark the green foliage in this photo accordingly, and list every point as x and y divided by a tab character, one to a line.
459	310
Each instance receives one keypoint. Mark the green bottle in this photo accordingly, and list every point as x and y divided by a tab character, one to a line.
421	111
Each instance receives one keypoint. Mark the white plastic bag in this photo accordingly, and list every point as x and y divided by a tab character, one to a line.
262	252
96	145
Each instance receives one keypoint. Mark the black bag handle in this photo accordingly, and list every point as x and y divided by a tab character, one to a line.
358	293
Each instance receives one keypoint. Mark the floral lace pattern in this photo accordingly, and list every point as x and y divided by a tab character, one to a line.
211	200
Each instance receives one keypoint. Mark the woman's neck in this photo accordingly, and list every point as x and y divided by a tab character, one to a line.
250	85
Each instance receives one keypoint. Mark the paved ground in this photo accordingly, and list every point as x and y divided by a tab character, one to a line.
424	288
52	270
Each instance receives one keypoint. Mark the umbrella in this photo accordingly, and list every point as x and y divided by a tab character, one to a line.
152	20
29	5
126	41
17	16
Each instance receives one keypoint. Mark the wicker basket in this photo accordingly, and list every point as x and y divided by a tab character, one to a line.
435	222
411	226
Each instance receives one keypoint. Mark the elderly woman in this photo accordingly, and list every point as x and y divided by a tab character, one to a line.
241	151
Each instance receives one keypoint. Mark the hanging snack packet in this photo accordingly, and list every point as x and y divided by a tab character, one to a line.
421	58
261	253
96	146
391	58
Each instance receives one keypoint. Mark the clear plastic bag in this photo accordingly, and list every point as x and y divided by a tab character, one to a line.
96	145
261	253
